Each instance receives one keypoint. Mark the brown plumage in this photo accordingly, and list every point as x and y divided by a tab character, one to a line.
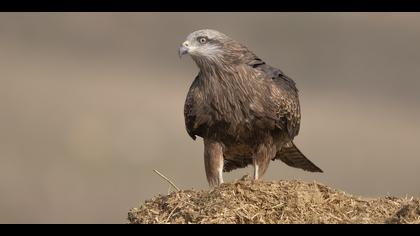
246	111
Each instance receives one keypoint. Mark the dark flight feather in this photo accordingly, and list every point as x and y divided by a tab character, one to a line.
293	157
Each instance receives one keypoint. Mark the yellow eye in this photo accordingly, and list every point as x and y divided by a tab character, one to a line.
202	40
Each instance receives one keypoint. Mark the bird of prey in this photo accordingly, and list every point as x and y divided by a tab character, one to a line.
246	111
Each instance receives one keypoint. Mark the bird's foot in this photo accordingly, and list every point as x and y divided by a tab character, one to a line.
245	178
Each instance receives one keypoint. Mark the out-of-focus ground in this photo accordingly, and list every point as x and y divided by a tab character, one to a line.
91	103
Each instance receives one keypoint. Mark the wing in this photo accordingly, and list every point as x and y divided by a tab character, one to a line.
284	96
190	108
194	114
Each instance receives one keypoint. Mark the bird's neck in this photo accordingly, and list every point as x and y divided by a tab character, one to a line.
215	68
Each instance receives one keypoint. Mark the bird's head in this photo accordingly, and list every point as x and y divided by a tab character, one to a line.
204	44
210	46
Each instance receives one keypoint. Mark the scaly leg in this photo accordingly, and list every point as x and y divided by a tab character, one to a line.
213	162
262	159
256	169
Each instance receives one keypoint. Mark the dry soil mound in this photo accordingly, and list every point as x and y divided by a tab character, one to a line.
274	202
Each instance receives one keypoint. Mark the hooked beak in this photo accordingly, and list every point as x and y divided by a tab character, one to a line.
183	49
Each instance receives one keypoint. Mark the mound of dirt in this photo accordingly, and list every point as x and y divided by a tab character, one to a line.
273	202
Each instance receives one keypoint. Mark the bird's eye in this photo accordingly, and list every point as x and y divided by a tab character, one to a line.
202	40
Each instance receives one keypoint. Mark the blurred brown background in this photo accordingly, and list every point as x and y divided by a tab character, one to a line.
91	103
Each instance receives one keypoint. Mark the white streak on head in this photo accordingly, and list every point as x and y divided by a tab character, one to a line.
210	52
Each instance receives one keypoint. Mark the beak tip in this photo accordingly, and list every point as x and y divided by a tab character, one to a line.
182	51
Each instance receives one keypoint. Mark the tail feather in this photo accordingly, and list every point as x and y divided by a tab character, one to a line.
294	158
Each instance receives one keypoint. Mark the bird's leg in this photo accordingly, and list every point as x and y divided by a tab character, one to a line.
255	169
262	159
213	162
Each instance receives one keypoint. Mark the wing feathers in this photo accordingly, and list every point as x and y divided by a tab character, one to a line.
294	158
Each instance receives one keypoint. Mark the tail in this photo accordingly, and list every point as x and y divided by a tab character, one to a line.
293	157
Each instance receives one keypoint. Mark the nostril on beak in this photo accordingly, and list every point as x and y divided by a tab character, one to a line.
185	44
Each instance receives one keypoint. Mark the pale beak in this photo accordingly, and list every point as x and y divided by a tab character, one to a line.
183	49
